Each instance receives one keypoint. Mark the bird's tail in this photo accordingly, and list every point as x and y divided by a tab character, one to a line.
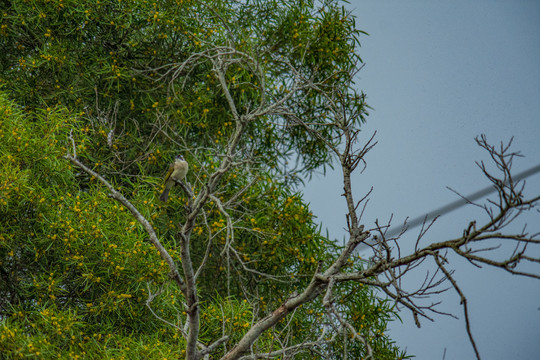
165	194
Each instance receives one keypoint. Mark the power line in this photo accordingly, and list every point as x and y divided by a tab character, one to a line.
443	210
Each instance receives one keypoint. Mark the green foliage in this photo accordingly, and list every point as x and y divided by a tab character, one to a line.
64	275
76	269
103	59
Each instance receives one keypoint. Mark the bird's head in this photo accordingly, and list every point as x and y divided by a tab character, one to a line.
179	158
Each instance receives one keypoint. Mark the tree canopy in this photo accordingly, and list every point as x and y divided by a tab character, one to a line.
124	86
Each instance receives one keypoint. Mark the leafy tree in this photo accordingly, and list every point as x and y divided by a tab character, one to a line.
97	99
135	83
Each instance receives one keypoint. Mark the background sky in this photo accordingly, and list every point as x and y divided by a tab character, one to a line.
438	74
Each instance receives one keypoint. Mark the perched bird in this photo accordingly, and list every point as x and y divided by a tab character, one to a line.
177	171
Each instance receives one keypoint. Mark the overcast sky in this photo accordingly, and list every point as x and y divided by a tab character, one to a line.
439	73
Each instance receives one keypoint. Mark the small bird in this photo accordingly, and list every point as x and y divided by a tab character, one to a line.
177	171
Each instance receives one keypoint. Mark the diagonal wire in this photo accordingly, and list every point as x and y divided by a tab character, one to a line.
443	210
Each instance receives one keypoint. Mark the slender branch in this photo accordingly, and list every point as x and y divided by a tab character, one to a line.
463	302
173	270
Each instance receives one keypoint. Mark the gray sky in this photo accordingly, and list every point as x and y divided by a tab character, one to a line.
439	73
